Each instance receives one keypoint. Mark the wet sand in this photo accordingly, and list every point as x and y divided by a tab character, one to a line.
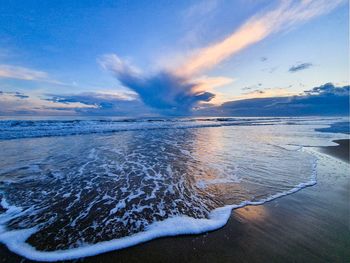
312	225
340	151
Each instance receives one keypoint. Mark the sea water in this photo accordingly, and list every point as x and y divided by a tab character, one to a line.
74	188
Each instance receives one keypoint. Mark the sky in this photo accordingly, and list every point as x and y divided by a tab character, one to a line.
166	57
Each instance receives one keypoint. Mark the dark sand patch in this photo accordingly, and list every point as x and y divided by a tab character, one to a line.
312	225
340	151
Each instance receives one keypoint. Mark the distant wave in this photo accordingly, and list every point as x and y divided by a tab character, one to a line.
16	129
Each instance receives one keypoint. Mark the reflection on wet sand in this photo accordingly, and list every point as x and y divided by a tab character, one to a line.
253	213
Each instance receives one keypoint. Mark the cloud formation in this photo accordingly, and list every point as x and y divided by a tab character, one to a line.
163	90
299	67
179	88
326	99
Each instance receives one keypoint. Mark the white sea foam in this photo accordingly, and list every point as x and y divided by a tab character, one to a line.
181	225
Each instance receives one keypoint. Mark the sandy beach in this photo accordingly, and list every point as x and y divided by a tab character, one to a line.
311	225
340	151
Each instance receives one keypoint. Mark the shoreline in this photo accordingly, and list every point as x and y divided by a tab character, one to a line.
299	227
295	228
340	151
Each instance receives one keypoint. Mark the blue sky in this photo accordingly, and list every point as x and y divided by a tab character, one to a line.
168	55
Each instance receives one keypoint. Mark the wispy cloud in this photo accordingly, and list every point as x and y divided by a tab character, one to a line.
200	9
196	19
284	17
24	73
15	72
266	93
299	67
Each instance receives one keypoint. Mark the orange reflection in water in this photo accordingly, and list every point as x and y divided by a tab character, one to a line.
208	148
217	173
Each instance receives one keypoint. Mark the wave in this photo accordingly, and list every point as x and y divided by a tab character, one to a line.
17	129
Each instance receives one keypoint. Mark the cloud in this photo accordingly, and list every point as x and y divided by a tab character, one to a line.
327	99
259	91
103	103
163	90
284	17
252	87
90	98
209	83
328	89
17	103
323	100
14	94
21	96
14	72
23	73
196	19
299	67
264	93
201	9
177	89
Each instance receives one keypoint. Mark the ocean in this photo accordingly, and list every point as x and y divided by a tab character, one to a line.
72	187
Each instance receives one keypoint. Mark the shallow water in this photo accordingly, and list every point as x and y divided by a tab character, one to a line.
66	196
